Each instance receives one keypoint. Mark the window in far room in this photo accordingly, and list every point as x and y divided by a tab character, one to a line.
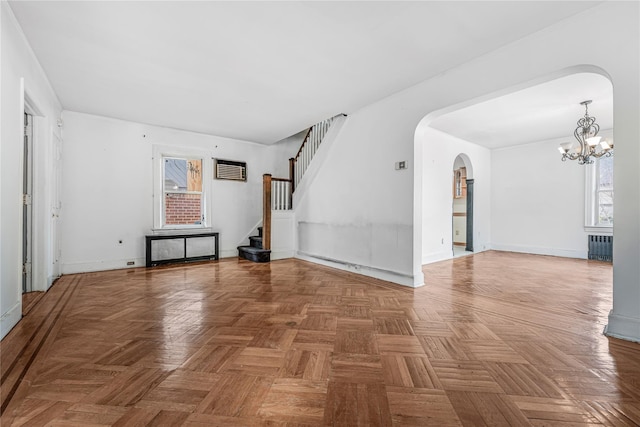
183	198
599	198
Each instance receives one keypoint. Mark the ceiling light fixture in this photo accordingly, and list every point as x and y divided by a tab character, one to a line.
587	135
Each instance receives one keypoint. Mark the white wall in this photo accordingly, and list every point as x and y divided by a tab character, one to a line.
538	201
364	212
282	234
439	154
353	214
108	188
549	54
21	74
283	150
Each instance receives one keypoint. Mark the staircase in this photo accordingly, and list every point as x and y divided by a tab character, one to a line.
278	192
255	252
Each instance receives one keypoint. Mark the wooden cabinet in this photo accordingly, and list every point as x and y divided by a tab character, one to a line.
460	183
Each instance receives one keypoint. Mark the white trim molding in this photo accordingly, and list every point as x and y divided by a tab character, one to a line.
88	267
436	257
602	231
10	318
377	273
541	250
623	327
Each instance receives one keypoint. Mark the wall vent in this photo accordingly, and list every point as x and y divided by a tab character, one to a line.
229	169
601	248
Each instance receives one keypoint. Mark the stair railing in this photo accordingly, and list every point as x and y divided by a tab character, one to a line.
277	192
280	194
298	165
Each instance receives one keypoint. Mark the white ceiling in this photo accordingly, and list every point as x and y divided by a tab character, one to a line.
542	112
260	71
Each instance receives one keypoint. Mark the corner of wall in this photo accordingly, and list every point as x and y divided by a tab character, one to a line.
623	327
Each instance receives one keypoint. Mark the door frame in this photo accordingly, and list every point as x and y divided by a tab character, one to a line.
470	190
27	202
54	269
40	211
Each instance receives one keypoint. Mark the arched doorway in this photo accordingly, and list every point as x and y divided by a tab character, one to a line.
503	134
462	206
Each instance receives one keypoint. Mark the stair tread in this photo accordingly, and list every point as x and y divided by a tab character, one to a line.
253	250
254	254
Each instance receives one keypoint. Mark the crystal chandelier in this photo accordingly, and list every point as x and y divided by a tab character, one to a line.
591	145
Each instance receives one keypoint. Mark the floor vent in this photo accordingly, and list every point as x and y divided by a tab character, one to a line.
601	248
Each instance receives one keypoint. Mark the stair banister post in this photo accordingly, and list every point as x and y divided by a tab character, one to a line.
292	173
266	211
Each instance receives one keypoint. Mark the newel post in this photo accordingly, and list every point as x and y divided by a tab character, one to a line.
292	173
266	211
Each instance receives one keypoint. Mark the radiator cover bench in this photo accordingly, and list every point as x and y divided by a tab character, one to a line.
181	247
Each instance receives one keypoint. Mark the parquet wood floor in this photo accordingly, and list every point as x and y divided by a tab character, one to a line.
493	339
29	300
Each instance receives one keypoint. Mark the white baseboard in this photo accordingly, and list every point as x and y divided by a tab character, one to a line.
276	255
50	281
623	327
541	250
87	267
228	253
377	273
436	256
10	319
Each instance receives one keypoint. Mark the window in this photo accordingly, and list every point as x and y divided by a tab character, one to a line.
604	191
183	198
600	193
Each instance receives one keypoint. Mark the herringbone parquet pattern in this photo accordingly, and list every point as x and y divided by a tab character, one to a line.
492	339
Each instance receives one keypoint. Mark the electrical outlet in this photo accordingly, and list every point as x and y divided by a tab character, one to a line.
131	263
457	232
401	165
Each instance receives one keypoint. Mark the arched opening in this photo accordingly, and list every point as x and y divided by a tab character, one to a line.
462	206
525	198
